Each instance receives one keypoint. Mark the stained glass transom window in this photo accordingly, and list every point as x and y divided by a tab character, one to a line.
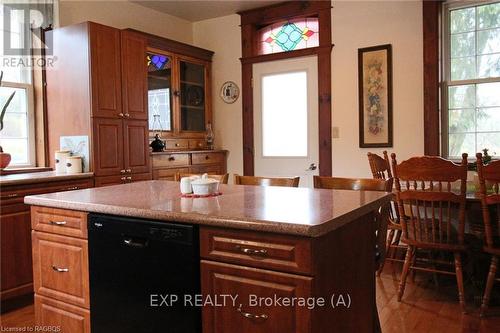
289	35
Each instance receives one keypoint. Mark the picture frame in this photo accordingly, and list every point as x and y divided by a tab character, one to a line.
375	96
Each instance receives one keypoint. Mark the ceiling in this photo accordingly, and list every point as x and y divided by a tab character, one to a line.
201	10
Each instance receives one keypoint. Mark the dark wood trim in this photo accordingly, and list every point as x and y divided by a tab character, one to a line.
282	11
175	47
250	22
44	102
362	143
431	18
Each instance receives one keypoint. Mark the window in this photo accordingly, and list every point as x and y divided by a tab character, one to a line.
18	135
471	90
289	35
284	120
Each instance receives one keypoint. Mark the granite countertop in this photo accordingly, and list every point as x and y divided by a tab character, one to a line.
40	177
295	211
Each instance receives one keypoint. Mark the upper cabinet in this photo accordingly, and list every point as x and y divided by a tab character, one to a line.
179	91
135	76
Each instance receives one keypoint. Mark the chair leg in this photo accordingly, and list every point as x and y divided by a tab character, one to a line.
410	252
414	272
460	280
387	250
489	285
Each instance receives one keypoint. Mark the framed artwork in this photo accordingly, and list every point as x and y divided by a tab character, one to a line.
375	96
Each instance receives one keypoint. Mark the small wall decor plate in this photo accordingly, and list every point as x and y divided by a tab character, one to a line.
229	92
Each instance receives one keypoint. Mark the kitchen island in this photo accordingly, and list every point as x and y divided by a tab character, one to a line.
300	260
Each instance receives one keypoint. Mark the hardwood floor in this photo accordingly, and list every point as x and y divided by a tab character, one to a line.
424	308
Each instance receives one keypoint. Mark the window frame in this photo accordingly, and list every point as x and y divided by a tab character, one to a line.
446	81
30	119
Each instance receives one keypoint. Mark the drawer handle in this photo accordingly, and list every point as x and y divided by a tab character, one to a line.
12	195
171	158
246	250
60	270
59	223
251	315
207	157
130	242
72	188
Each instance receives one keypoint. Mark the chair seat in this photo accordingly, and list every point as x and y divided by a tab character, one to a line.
451	247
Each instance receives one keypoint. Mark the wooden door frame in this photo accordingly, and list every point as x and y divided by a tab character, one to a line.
251	20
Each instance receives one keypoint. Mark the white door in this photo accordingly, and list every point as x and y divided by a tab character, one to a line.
286	118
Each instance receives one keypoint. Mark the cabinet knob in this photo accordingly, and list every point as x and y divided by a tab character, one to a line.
171	158
128	171
207	157
129	178
122	171
177	145
120	114
123	178
127	115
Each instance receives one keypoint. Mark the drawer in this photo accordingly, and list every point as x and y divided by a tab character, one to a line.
277	252
208	158
210	169
176	144
60	268
168	174
59	221
197	144
170	160
67	318
246	317
15	194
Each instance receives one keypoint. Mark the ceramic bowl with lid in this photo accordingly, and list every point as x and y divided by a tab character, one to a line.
205	186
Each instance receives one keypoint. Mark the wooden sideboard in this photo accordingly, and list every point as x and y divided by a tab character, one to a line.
16	271
167	164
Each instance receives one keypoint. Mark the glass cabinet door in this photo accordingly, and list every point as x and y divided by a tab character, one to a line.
192	96
159	91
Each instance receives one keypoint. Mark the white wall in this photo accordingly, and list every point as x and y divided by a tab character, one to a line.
362	24
222	35
356	24
123	14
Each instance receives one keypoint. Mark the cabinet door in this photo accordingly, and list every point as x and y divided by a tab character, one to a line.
108	146
136	146
134	76
194	101
16	273
245	317
106	71
109	180
67	318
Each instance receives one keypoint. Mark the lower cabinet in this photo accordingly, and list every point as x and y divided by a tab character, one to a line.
15	247
255	290
68	318
121	179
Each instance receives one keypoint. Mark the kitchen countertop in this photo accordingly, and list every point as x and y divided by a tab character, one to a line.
295	211
40	177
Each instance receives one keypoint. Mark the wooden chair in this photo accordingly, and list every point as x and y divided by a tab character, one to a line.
490	174
426	207
380	166
223	179
381	219
266	181
381	169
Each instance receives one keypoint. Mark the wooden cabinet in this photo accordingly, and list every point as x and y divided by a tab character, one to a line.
134	75
60	269
112	82
16	266
108	146
105	68
166	165
249	317
66	317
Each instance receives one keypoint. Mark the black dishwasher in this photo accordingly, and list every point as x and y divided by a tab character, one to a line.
139	273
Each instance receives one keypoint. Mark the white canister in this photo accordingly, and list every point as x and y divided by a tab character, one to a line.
60	157
185	184
74	164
